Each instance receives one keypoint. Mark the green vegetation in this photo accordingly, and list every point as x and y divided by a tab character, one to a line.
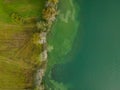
19	54
24	8
24	25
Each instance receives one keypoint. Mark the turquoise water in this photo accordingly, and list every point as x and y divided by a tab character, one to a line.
94	60
97	62
96	65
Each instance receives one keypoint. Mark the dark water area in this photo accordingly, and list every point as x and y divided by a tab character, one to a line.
95	54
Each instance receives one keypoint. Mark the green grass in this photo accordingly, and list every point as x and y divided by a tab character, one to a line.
11	75
24	8
18	54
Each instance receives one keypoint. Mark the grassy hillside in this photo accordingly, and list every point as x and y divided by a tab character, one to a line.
18	54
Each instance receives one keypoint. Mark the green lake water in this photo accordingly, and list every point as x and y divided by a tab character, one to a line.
90	58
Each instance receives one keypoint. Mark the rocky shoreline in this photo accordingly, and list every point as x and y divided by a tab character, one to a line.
43	27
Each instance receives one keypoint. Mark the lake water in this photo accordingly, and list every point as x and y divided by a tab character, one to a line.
93	63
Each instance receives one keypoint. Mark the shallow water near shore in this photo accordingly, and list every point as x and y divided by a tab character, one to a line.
93	60
61	38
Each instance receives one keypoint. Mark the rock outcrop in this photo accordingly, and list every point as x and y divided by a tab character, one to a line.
48	17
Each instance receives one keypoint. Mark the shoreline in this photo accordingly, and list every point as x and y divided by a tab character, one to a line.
43	26
67	26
